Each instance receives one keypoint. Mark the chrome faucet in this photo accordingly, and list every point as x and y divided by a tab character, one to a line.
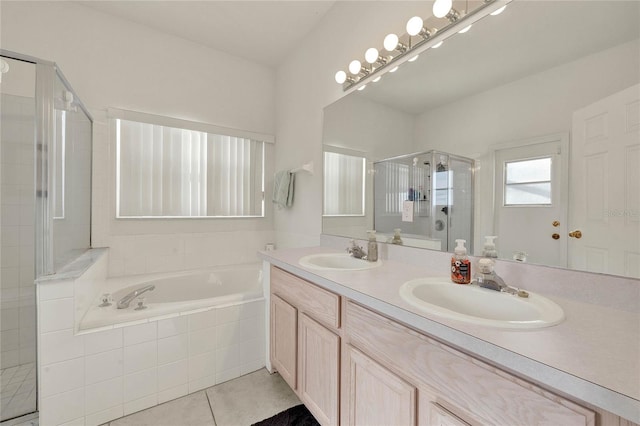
356	251
124	302
492	281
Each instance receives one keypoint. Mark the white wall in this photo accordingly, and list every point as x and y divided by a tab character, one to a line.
538	105
305	85
111	62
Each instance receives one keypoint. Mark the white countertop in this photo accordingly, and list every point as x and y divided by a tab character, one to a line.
593	355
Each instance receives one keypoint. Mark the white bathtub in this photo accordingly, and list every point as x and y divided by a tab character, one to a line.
177	293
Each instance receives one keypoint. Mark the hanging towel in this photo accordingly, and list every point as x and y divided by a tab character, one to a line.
283	189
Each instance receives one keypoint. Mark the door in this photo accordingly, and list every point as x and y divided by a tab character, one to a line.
605	176
376	395
319	370
283	339
531	201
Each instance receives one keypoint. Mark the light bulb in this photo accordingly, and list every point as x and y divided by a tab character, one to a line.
498	11
415	25
393	69
413	59
355	66
441	8
361	88
435	46
390	42
341	77
371	55
464	30
377	79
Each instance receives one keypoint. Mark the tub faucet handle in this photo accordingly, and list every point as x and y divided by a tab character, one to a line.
141	305
106	300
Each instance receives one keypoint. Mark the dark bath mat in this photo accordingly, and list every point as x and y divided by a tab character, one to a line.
294	416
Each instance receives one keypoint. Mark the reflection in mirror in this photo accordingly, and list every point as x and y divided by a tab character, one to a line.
509	91
344	182
428	196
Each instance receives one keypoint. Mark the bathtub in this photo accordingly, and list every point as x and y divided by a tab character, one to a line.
177	293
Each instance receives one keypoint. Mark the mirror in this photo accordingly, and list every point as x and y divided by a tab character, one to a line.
555	81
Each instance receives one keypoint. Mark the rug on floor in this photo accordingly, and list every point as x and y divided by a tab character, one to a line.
294	416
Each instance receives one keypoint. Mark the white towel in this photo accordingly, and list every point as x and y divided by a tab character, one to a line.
283	189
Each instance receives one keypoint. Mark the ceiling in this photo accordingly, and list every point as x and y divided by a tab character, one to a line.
261	31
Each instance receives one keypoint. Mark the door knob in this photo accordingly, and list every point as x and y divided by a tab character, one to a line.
555	236
575	234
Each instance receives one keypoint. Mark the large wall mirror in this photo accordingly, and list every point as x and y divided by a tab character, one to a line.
544	98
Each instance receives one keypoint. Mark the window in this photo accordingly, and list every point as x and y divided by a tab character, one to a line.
344	180
528	182
167	171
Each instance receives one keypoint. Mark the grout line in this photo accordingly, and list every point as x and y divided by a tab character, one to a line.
210	406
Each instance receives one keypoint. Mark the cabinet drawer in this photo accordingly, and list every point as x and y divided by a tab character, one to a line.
477	391
317	302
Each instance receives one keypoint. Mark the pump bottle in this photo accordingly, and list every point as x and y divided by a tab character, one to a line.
489	249
372	247
460	264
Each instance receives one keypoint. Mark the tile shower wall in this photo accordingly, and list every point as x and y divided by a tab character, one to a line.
17	290
90	379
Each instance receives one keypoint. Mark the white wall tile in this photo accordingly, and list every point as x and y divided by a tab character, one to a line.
202	383
10	339
56	315
104	395
55	290
103	366
62	407
173	393
80	421
9	318
251	350
251	328
202	366
227	358
227	334
140	357
62	377
140	404
202	320
173	348
140	384
226	375
60	346
227	314
252	366
140	333
202	341
104	416
252	309
172	326
172	375
102	341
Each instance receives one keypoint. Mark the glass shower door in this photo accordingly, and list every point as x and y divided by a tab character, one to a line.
17	252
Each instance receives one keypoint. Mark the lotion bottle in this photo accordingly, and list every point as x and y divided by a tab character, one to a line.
460	264
372	247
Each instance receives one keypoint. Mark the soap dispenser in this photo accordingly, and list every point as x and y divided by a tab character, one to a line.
489	249
372	248
460	264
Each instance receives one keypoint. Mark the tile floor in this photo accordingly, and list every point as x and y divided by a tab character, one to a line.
238	402
17	391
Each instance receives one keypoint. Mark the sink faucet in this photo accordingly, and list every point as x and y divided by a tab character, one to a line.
124	302
487	278
356	251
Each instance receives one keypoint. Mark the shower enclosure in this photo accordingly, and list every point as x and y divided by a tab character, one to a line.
45	198
429	195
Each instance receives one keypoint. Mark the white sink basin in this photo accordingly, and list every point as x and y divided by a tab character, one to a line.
472	304
337	261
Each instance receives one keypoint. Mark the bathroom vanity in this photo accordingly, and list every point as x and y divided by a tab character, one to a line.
357	355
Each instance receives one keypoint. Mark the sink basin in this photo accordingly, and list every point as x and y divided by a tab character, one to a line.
476	305
337	261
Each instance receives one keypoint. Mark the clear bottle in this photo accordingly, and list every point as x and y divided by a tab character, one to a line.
460	264
372	247
396	237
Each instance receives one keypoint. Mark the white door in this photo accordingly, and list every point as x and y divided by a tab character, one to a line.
605	181
531	200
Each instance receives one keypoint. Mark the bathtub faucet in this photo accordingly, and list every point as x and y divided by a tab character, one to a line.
124	302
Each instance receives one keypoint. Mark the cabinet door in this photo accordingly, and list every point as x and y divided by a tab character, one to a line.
436	415
284	339
319	370
376	395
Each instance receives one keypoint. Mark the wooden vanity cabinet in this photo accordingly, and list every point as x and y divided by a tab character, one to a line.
305	342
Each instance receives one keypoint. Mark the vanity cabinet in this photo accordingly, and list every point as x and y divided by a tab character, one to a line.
305	342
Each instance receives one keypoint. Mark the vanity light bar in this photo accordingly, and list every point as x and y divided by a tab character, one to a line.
427	38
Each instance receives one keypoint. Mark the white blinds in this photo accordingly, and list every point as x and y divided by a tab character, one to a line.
343	184
171	172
